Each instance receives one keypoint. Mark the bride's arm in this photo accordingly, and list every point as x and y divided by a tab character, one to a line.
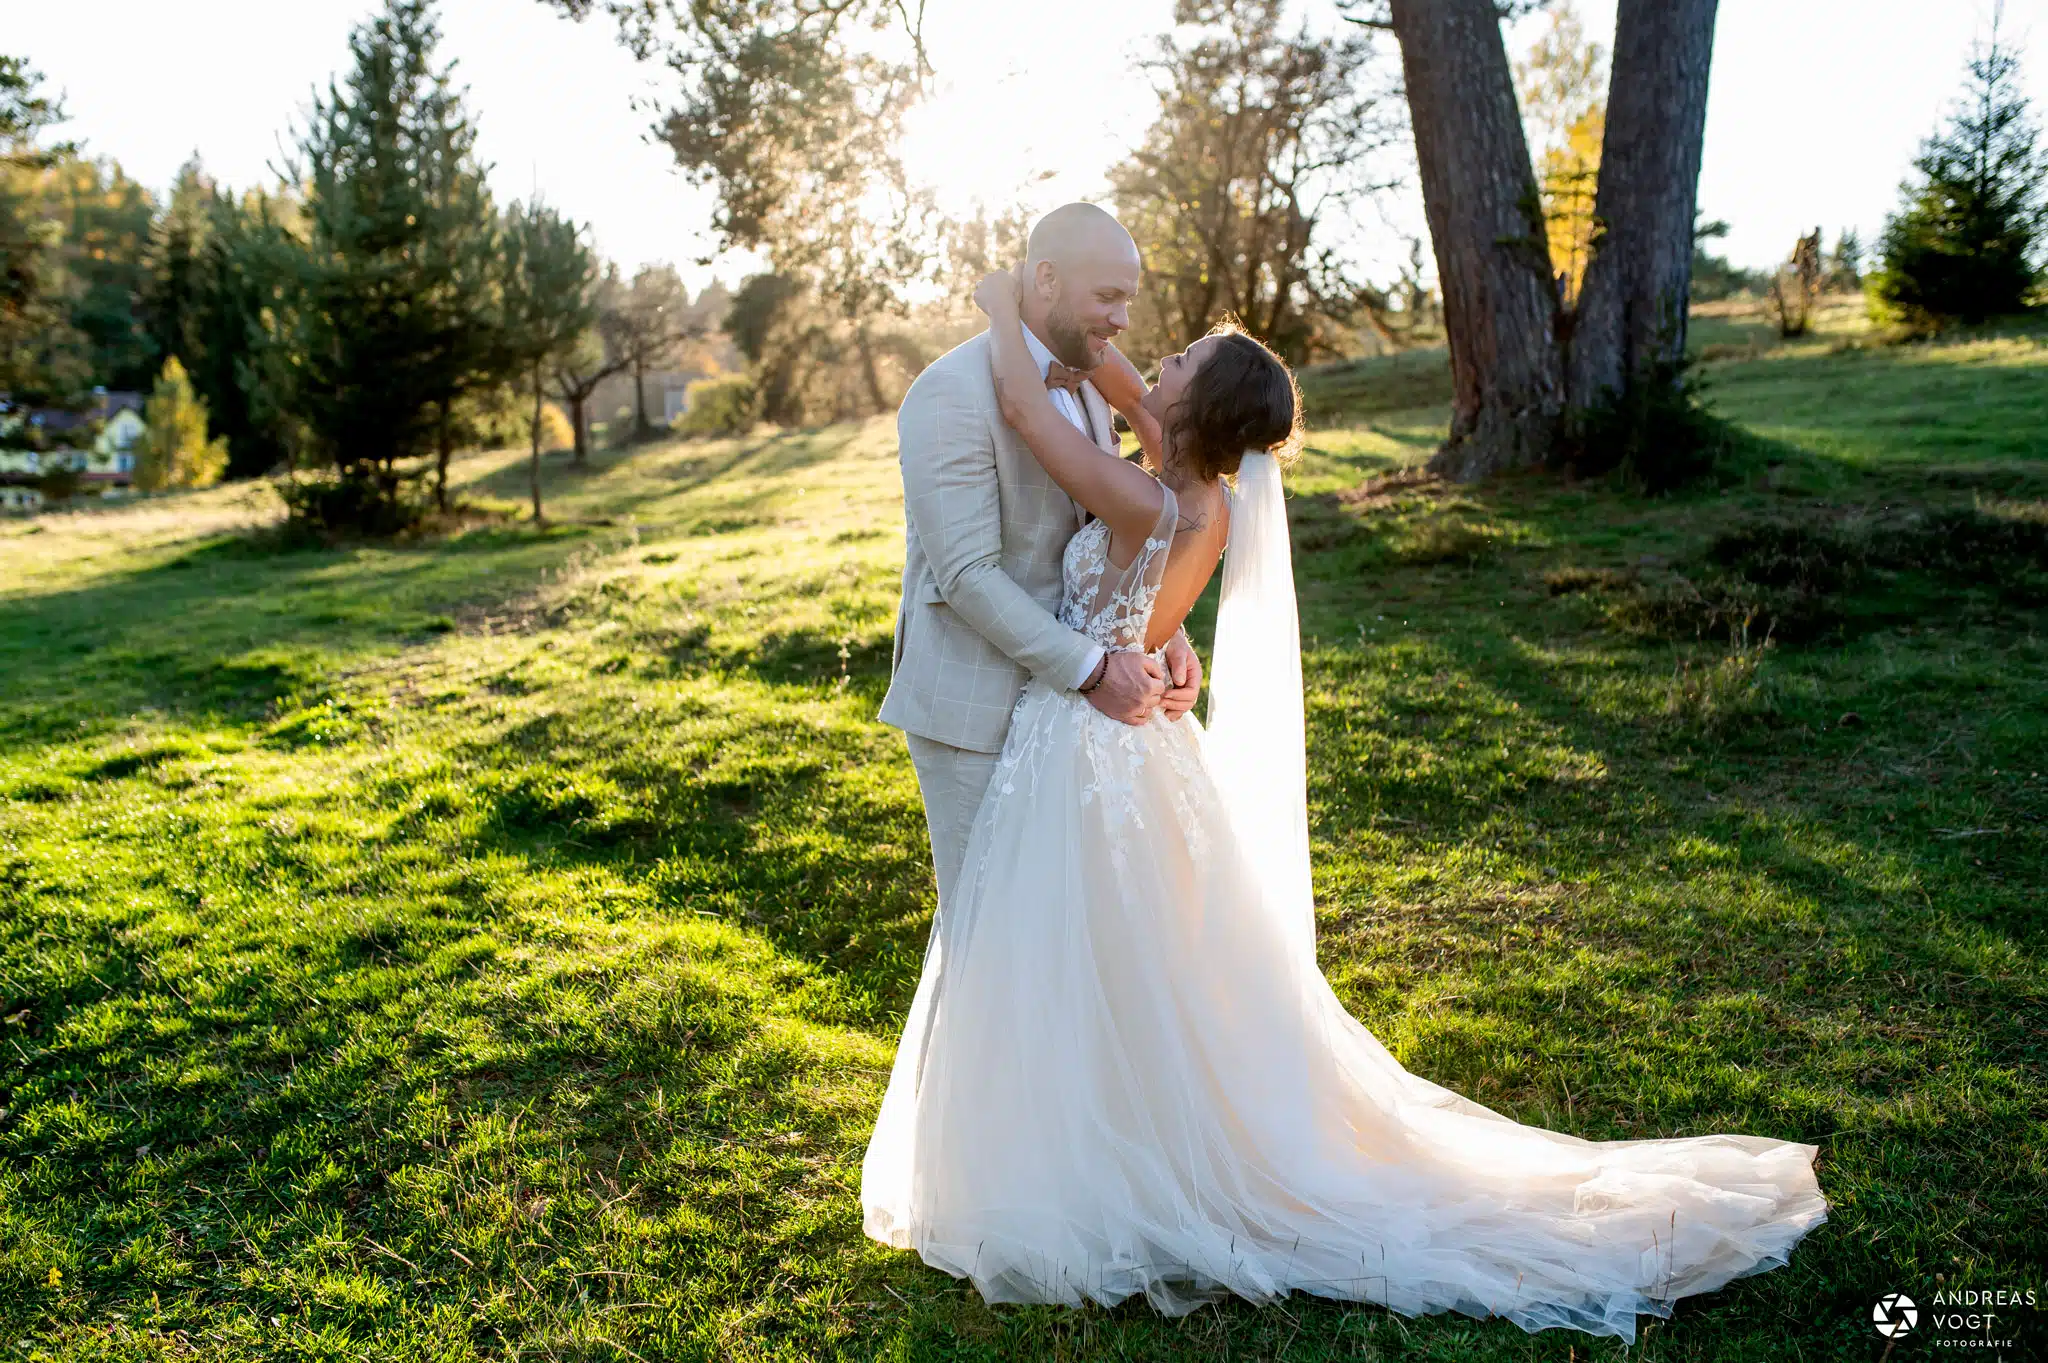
1123	388
1113	490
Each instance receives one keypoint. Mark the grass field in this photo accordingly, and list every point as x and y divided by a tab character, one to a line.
493	946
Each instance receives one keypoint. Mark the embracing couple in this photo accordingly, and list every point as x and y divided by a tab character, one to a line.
1123	1072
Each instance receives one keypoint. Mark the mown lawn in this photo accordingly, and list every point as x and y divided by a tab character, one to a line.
494	946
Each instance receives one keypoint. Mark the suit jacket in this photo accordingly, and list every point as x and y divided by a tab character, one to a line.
986	529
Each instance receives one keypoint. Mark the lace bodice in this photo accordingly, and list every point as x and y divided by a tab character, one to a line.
1110	605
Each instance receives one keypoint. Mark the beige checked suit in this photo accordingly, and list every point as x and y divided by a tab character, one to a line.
985	532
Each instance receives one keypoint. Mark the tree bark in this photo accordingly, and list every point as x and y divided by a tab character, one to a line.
869	373
441	452
1632	310
642	428
533	469
1486	221
578	406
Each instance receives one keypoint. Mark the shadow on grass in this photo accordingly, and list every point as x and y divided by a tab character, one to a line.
461	1038
614	482
231	627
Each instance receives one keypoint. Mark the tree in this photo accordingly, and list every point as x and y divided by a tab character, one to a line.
766	324
1966	241
548	300
1714	277
1522	363
1562	82
395	313
104	219
650	324
25	114
1630	326
807	363
224	298
43	358
1486	221
1796	287
174	289
175	450
794	121
1262	135
1845	262
576	368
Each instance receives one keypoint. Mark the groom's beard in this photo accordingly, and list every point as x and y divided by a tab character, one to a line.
1067	339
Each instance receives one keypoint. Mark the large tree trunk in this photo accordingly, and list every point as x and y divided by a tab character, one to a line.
1632	314
1486	220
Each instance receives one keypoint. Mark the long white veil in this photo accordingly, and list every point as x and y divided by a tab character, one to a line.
1257	739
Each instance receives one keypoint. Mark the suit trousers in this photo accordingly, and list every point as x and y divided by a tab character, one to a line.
952	781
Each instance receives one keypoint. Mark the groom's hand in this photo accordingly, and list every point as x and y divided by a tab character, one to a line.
1131	687
1184	677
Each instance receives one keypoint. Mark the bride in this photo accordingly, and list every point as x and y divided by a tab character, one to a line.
1123	1072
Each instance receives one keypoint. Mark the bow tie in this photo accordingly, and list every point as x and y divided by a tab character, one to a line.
1058	375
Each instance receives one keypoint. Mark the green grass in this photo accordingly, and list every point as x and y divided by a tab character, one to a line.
494	947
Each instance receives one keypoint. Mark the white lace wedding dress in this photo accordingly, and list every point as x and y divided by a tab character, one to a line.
1123	1072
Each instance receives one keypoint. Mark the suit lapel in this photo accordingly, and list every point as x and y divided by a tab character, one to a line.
1023	459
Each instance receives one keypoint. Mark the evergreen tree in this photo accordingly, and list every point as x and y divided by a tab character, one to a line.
174	295
1965	243
548	293
395	313
246	331
1845	262
575	370
214	297
176	450
43	358
104	220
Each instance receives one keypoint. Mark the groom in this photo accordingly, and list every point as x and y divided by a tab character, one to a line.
986	530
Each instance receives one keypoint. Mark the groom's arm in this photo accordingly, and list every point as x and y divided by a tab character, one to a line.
949	491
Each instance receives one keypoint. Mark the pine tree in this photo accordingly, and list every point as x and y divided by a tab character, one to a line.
43	358
395	311
103	219
247	331
1845	262
1965	244
548	288
214	298
176	450
175	294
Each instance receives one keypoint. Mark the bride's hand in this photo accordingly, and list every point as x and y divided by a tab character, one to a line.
996	295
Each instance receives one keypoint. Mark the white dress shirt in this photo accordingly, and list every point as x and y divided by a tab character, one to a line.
1068	404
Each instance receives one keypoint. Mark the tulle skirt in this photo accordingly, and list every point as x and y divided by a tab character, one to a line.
1117	1078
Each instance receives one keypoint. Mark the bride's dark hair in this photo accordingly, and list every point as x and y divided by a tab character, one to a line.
1243	398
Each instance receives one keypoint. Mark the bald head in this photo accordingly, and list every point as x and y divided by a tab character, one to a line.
1081	270
1076	231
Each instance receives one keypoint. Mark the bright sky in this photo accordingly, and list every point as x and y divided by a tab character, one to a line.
1816	109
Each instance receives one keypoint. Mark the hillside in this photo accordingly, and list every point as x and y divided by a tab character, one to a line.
495	945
